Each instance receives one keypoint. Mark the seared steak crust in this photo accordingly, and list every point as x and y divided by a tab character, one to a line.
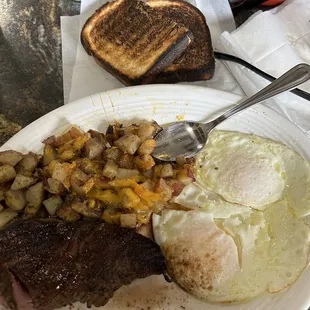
59	262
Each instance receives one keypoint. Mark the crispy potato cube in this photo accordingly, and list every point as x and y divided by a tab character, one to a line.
90	167
49	154
147	147
73	133
79	176
93	148
144	217
55	187
7	173
35	194
163	189
62	172
157	170
6	216
148	184
126	161
99	136
82	208
88	185
28	163
22	181
1	207
52	204
66	213
128	220
144	162
10	158
110	169
128	143
31	210
166	171
126	173
185	176
68	155
130	198
112	153
145	131
15	200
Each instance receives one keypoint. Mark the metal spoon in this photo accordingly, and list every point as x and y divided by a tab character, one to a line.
187	138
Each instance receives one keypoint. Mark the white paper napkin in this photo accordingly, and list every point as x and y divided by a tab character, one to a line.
82	76
273	41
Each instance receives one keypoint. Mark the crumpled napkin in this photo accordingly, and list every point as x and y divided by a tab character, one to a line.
273	41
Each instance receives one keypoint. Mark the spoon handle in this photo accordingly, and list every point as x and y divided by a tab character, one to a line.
292	78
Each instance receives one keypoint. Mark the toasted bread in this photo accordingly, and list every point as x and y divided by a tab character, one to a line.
133	41
197	62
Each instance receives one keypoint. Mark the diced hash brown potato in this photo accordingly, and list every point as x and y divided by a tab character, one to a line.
62	172
128	220
6	216
15	200
93	148
110	169
55	187
31	210
144	162
128	143
22	181
73	133
66	213
146	131
126	161
166	171
83	209
7	173
112	153
52	204
163	189
111	177
28	163
147	147
126	173
10	158
49	154
35	194
89	166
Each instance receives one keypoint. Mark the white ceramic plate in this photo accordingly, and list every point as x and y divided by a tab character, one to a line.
168	103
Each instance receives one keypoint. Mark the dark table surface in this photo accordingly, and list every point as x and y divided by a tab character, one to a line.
30	59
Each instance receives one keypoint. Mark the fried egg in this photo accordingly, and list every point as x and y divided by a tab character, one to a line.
194	197
248	230
200	256
253	171
233	259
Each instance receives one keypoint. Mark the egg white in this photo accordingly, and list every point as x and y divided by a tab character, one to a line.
241	169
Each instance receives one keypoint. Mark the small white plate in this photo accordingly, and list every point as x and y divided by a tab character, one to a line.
164	104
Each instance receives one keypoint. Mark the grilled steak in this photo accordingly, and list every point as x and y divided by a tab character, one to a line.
47	264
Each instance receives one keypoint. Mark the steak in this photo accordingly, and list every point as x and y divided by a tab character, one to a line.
47	264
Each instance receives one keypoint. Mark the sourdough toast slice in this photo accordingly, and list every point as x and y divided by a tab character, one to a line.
133	41
197	62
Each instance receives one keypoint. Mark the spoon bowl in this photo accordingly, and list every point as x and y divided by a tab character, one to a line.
187	138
